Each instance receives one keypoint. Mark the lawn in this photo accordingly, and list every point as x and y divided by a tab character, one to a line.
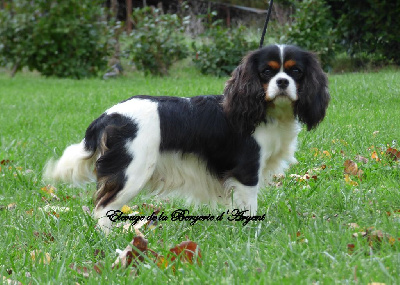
321	225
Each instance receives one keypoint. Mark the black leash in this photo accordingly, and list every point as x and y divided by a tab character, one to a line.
266	23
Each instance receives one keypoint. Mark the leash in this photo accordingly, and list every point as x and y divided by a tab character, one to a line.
266	23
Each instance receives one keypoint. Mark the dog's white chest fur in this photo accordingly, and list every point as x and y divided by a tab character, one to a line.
278	143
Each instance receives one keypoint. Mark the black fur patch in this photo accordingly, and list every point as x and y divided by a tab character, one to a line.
109	134
313	92
199	126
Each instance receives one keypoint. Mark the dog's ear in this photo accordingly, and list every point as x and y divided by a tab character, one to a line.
244	103
313	94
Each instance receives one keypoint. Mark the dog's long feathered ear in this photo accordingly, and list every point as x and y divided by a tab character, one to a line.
244	103
313	94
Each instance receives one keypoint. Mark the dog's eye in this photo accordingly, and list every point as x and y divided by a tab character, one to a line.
268	71
295	72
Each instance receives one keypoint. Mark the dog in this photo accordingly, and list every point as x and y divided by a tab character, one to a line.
215	149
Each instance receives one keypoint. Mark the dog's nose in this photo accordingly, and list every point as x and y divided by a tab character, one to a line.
282	83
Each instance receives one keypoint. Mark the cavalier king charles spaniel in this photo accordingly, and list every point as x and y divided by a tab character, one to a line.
215	149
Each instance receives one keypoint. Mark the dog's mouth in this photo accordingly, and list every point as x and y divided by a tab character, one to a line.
279	97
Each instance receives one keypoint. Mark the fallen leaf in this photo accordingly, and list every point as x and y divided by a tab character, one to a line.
361	159
374	156
86	210
377	237
83	270
186	251
131	255
161	262
100	253
353	225
350	167
49	189
42	257
10	282
350	247
348	180
393	153
46	237
86	270
375	133
326	153
54	196
98	268
11	206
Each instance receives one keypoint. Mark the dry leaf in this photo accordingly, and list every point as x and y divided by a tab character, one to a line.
98	268
86	210
10	282
49	189
161	262
80	270
5	161
350	247
35	254
100	253
353	225
11	206
348	180
374	156
186	250
85	270
393	153
361	159
376	237
326	153
46	237
350	167
127	227
131	255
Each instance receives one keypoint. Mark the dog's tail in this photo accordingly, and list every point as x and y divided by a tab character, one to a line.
77	164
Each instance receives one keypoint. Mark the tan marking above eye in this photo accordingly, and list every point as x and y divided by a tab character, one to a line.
289	63
274	64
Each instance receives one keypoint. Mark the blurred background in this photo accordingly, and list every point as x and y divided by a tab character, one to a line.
86	38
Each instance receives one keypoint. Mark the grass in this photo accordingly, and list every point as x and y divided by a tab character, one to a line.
305	237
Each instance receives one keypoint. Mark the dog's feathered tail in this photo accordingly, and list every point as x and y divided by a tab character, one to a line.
75	166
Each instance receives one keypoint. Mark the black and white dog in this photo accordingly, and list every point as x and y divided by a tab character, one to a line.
208	149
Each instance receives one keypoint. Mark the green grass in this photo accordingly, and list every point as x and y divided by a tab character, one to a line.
304	238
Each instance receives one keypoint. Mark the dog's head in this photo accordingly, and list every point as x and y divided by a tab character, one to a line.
277	73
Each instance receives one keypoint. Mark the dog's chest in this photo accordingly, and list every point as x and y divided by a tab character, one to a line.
278	143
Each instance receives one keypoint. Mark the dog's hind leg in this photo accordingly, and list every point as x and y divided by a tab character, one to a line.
124	168
118	188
